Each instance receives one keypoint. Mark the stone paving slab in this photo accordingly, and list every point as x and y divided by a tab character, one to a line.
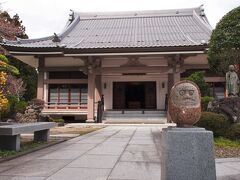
107	150
112	153
140	156
37	167
80	147
136	170
95	161
21	178
63	154
80	174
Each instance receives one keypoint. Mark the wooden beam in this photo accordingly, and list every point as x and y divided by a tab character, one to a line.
152	69
70	68
66	81
215	79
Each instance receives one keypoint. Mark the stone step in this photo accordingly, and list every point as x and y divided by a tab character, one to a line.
135	121
135	115
134	112
131	113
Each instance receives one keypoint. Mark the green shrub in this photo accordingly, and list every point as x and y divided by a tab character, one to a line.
217	123
56	120
3	58
10	111
198	78
204	102
225	142
21	106
12	100
233	132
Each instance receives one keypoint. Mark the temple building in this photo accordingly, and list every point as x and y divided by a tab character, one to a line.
129	60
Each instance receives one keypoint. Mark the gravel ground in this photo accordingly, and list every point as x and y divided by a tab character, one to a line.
227	152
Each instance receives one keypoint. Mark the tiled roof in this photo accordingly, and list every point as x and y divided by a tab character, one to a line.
164	28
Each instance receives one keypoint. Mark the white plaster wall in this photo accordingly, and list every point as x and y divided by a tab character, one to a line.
63	62
114	61
159	79
148	60
154	61
30	60
198	59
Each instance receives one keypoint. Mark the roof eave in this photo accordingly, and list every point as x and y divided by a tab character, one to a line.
138	49
64	51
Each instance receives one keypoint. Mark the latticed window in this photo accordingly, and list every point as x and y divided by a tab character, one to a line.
68	94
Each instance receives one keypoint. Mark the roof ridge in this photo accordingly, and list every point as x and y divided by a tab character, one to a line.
148	13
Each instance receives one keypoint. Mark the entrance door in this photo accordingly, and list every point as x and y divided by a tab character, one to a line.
119	95
150	95
134	95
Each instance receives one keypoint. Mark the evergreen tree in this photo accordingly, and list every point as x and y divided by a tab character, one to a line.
224	46
11	28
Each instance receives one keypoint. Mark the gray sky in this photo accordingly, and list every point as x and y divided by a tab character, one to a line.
44	17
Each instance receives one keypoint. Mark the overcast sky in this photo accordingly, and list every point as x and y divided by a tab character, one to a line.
44	17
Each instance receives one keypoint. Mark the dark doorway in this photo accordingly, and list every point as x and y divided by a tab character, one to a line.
134	95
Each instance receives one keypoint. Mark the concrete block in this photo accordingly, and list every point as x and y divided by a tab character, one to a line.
187	154
10	142
41	136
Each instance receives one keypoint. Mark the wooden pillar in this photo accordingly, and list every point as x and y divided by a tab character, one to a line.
170	81
98	89
174	77
40	84
91	91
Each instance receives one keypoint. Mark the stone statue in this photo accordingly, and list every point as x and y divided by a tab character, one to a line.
185	103
232	82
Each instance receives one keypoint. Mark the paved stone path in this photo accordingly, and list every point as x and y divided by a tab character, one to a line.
113	153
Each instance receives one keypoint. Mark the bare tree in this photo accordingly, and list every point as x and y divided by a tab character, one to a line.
15	86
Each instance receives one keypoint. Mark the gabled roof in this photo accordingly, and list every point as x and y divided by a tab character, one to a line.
140	29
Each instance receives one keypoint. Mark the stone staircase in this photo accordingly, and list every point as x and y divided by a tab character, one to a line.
135	117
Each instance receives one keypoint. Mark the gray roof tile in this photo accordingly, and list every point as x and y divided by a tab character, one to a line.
166	28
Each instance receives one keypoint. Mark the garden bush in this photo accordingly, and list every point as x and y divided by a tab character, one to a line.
57	120
198	78
10	110
20	106
217	123
204	102
233	132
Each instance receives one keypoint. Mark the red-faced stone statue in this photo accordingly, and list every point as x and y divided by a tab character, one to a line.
184	106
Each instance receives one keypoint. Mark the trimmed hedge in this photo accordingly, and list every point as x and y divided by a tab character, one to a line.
21	106
233	132
56	120
217	123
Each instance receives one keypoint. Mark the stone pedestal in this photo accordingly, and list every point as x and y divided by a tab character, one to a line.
10	142
187	154
41	136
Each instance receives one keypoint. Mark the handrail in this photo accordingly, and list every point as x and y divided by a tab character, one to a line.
100	110
68	105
